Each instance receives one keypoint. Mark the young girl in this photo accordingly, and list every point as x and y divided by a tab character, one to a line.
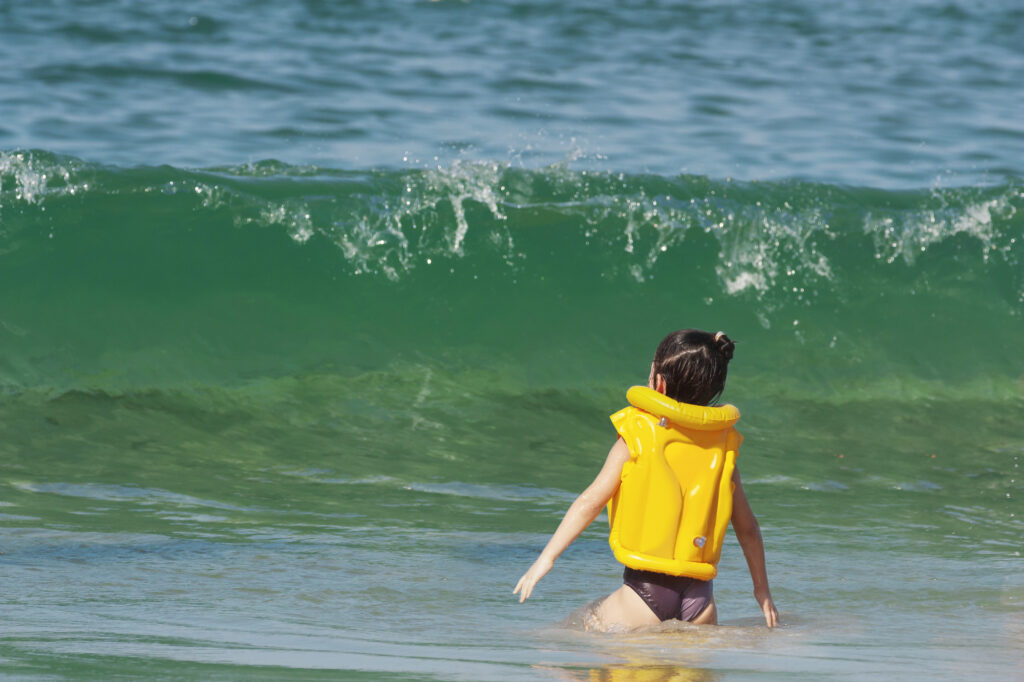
673	487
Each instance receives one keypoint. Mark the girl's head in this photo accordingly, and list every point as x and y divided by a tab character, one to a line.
690	366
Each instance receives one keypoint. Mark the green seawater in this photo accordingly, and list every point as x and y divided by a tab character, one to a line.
272	421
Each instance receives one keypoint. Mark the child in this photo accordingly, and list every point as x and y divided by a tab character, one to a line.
673	488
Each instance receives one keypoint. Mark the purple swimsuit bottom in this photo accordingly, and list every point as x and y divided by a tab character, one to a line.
670	596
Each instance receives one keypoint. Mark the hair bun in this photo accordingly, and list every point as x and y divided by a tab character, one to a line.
726	346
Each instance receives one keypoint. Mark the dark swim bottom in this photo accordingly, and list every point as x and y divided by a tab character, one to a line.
670	596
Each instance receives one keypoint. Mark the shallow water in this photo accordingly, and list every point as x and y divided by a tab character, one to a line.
139	539
312	417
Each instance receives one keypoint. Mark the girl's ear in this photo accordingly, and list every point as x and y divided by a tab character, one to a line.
659	384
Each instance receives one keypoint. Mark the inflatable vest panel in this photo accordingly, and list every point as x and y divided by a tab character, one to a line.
674	503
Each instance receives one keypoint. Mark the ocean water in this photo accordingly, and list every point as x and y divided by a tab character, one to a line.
312	314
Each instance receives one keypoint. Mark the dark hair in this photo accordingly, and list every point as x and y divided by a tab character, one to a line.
694	364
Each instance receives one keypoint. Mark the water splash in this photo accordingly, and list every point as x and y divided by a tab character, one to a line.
775	242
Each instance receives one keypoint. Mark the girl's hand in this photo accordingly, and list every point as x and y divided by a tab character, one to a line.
539	569
581	513
771	614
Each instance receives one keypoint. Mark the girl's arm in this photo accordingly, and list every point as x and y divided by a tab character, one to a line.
581	513
748	532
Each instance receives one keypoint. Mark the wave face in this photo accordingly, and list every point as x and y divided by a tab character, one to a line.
127	279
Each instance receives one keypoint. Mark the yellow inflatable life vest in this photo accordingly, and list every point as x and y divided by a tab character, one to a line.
674	503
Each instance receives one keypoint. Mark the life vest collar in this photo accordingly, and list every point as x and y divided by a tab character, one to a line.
697	417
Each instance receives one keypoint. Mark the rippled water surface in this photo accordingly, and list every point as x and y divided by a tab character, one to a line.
877	93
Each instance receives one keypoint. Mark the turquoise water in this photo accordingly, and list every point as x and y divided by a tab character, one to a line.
312	417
